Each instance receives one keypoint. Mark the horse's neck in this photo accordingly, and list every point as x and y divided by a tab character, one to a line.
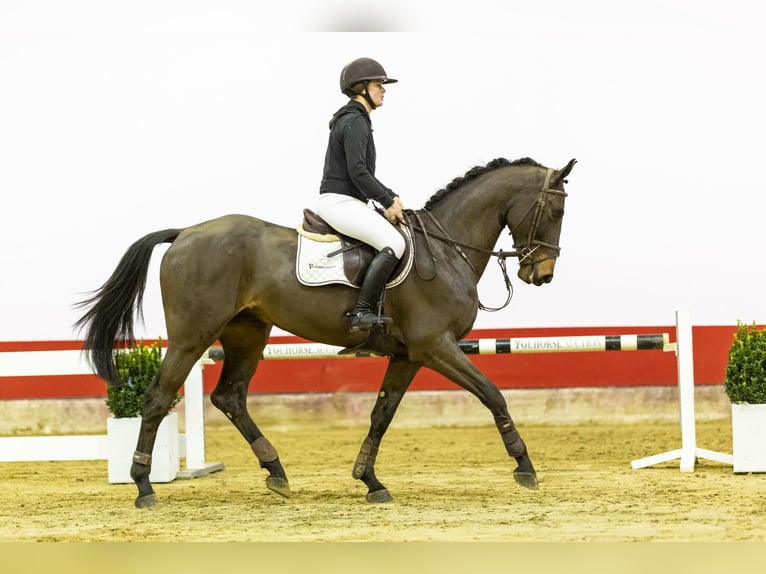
474	218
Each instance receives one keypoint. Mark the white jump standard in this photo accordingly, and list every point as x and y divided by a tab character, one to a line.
688	453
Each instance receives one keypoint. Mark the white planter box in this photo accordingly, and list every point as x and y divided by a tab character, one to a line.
122	436
748	429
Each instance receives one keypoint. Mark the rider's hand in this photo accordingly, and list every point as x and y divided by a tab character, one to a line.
394	212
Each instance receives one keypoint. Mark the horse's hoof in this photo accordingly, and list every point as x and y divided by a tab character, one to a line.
526	479
379	496
146	501
278	485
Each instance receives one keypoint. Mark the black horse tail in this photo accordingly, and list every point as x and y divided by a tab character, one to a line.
112	307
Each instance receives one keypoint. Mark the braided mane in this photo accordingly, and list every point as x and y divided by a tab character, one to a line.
473	173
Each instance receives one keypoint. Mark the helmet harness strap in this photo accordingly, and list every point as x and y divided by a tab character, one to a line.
366	94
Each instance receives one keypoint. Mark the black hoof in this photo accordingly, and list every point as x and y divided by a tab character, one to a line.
526	479
147	501
379	496
278	485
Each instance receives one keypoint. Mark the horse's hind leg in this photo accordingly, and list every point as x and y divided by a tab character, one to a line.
158	398
398	377
243	342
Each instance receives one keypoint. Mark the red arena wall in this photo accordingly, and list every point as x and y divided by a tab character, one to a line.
508	371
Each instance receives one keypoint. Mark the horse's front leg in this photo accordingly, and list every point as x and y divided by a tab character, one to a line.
398	377
525	473
447	359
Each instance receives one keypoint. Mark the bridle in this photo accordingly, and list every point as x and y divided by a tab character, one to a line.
536	210
533	244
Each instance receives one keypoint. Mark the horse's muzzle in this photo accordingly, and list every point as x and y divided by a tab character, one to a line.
538	273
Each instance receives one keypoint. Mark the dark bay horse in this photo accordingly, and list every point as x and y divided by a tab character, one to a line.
233	278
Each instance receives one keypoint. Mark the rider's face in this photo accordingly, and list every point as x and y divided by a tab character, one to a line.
376	91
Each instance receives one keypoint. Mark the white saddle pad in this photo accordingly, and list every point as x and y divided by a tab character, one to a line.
313	267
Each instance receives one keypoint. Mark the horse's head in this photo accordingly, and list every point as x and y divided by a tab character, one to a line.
536	224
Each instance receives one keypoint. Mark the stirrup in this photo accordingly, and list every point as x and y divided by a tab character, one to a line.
366	320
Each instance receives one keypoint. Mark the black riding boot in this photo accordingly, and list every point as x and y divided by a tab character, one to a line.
365	313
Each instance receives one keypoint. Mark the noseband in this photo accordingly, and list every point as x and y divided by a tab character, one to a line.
523	252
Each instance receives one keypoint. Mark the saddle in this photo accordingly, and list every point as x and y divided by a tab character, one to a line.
356	254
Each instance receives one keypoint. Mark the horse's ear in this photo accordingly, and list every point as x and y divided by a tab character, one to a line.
559	175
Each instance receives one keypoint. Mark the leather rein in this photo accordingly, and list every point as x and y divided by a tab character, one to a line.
523	252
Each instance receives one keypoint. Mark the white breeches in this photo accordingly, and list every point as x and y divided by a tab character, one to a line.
357	219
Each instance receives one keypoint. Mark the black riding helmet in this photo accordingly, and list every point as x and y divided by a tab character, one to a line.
362	70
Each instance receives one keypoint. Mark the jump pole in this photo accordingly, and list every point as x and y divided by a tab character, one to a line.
689	452
516	346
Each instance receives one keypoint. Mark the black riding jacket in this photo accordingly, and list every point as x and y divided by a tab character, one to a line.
349	164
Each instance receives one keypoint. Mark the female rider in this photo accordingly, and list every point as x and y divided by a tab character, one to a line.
349	186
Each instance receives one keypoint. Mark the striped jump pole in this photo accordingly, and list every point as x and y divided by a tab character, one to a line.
513	346
572	344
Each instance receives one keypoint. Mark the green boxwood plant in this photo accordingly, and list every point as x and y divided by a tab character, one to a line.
746	368
137	367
